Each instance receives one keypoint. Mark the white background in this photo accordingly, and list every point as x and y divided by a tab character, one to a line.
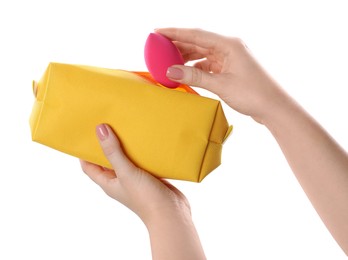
251	207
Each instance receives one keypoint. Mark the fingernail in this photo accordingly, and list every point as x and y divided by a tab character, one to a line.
102	132
175	73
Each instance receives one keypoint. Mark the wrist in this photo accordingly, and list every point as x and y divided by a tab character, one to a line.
166	216
277	106
174	236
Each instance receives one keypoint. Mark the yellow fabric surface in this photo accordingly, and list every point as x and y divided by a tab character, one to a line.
172	134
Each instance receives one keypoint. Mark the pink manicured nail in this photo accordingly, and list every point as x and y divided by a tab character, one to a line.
175	73
102	132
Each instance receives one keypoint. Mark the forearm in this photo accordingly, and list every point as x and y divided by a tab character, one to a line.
173	236
318	162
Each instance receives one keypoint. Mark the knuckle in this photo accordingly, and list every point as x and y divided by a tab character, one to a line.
109	149
84	169
238	42
196	76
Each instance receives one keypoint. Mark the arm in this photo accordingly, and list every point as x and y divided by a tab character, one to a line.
173	236
229	70
164	209
319	164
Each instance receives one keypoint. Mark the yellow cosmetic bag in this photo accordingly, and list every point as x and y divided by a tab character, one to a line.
172	133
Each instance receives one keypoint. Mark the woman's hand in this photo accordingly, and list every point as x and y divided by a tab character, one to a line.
135	188
164	209
226	67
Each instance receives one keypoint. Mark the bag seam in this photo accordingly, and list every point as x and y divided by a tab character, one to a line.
209	141
43	100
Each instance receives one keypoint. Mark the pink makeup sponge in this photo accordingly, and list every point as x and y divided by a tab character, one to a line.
161	53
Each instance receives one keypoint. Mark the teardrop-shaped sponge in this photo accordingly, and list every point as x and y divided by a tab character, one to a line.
161	53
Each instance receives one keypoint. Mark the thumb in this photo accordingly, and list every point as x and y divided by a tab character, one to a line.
191	76
113	151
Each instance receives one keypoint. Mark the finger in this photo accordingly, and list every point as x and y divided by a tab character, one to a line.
192	76
208	66
191	52
201	38
114	152
96	173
